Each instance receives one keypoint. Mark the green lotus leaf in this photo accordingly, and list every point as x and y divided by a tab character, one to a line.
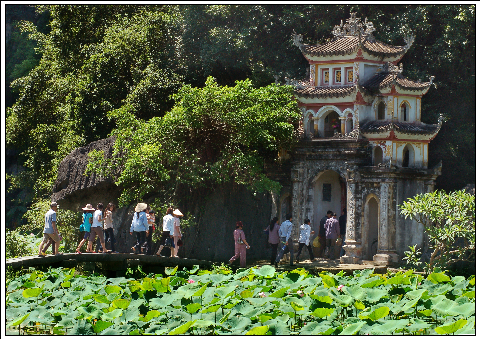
100	325
445	307
112	314
451	327
150	315
109	289
352	329
171	270
357	292
327	280
296	306
322	298
66	284
388	327
213	308
438	277
375	294
237	322
68	321
359	305
344	300
182	328
264	318
100	298
147	284
442	289
469	328
82	327
121	303
472	281
200	291
469	294
73	296
31	292
375	314
223	292
409	305
259	330
278	326
421	292
398	280
246	294
372	282
322	312
192	308
118	281
18	321
465	310
279	293
265	271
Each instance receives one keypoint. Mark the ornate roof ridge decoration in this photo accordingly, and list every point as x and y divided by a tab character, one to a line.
414	128
354	27
351	36
353	135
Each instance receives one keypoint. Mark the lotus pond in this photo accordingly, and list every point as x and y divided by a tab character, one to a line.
257	300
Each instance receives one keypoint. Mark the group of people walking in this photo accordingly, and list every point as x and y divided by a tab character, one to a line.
97	223
331	233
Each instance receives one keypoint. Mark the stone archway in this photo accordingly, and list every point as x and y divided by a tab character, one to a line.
371	226
331	124
329	194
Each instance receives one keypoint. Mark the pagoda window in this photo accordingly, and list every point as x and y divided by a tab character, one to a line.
404	112
408	156
381	111
326	77
338	76
377	155
350	75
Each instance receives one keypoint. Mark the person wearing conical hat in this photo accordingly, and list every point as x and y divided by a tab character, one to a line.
97	229
140	227
177	233
87	219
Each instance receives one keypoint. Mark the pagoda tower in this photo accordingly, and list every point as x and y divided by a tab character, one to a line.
363	146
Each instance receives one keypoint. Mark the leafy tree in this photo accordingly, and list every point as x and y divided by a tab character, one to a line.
94	60
449	221
212	135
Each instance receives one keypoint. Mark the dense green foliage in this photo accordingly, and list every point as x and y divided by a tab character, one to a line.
449	221
250	301
97	60
211	135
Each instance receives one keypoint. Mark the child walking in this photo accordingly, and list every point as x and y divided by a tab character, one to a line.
304	240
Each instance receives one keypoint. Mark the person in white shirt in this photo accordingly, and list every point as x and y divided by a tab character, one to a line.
285	240
168	231
304	240
96	229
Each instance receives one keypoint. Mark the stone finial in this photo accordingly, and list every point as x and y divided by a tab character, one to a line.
431	79
409	41
354	27
441	119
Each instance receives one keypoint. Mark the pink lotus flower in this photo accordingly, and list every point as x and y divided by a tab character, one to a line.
190	281
262	294
300	293
339	288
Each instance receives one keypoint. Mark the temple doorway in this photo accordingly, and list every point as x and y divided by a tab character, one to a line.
331	124
329	194
371	223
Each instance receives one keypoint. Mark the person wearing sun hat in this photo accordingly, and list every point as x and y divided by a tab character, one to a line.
140	227
87	219
177	233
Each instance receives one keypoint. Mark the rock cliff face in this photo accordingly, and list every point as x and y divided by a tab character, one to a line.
216	214
73	190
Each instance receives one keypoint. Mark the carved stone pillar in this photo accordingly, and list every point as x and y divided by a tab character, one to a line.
386	253
342	122
352	245
297	203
